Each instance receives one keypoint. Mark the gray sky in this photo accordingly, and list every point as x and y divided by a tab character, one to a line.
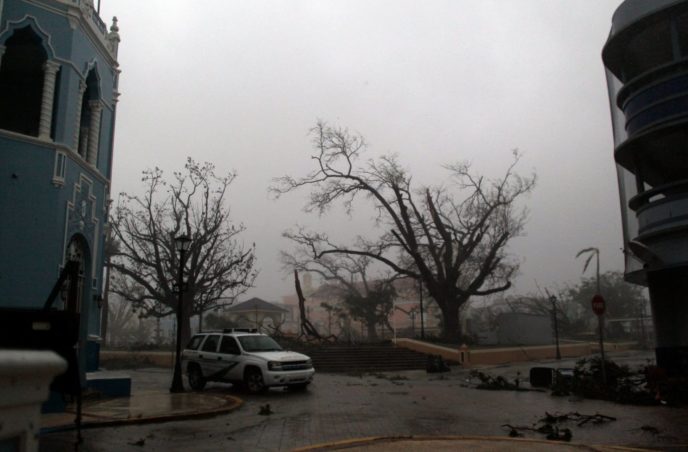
240	84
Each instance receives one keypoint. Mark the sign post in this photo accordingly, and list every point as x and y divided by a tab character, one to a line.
598	307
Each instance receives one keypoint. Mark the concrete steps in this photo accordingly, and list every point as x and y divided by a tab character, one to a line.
109	383
363	358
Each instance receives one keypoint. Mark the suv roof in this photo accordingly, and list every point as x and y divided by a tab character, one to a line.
242	331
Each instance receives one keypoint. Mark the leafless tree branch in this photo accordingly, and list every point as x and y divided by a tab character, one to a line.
451	238
217	267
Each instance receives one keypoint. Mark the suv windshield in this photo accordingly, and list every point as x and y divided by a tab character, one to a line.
195	342
259	344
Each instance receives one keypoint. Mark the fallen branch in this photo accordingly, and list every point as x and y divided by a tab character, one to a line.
575	416
497	383
307	328
550	425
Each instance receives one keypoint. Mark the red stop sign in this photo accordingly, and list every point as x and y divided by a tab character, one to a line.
598	304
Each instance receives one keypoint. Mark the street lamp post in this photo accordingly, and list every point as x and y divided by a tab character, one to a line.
181	244
553	300
394	320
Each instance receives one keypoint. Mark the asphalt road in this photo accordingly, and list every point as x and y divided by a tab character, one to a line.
339	407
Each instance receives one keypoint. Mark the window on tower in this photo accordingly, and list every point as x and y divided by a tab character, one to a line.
91	94
681	26
21	82
648	49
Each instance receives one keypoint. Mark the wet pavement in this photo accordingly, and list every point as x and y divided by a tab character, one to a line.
142	407
340	408
450	444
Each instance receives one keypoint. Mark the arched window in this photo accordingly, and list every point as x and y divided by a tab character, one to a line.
76	251
89	123
21	82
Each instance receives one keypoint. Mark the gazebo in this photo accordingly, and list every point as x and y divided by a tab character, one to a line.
253	313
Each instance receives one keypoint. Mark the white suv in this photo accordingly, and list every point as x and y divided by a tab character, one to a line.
244	357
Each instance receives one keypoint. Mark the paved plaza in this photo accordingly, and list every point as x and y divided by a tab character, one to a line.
340	408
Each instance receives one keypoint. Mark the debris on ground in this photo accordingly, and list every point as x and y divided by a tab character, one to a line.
265	410
497	383
553	433
650	429
580	419
551	427
139	443
656	433
646	386
514	431
436	364
383	376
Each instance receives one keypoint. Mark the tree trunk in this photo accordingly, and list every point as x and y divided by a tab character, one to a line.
451	327
372	330
307	327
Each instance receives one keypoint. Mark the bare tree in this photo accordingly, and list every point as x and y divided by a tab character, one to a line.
570	319
365	298
455	237
122	318
127	329
217	266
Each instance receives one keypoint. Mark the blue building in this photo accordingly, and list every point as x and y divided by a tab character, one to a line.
58	98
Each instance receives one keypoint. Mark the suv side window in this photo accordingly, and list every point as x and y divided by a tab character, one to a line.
195	342
210	344
229	345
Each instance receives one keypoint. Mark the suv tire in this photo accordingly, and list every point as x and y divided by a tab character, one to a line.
253	381
196	380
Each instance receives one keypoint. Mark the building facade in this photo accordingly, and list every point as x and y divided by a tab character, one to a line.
58	97
646	58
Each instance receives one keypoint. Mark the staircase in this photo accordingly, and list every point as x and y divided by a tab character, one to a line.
338	358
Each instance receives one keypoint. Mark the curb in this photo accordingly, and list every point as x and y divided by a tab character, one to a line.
390	440
232	404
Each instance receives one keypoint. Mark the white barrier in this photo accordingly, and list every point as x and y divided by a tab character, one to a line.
25	377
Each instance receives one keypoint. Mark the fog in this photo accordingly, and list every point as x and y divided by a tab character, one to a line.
240	84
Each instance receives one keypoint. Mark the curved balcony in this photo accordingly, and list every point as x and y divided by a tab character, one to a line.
641	38
662	214
656	104
658	194
661	152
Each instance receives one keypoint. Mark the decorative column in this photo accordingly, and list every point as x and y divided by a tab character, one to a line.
77	123
113	37
49	75
94	131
